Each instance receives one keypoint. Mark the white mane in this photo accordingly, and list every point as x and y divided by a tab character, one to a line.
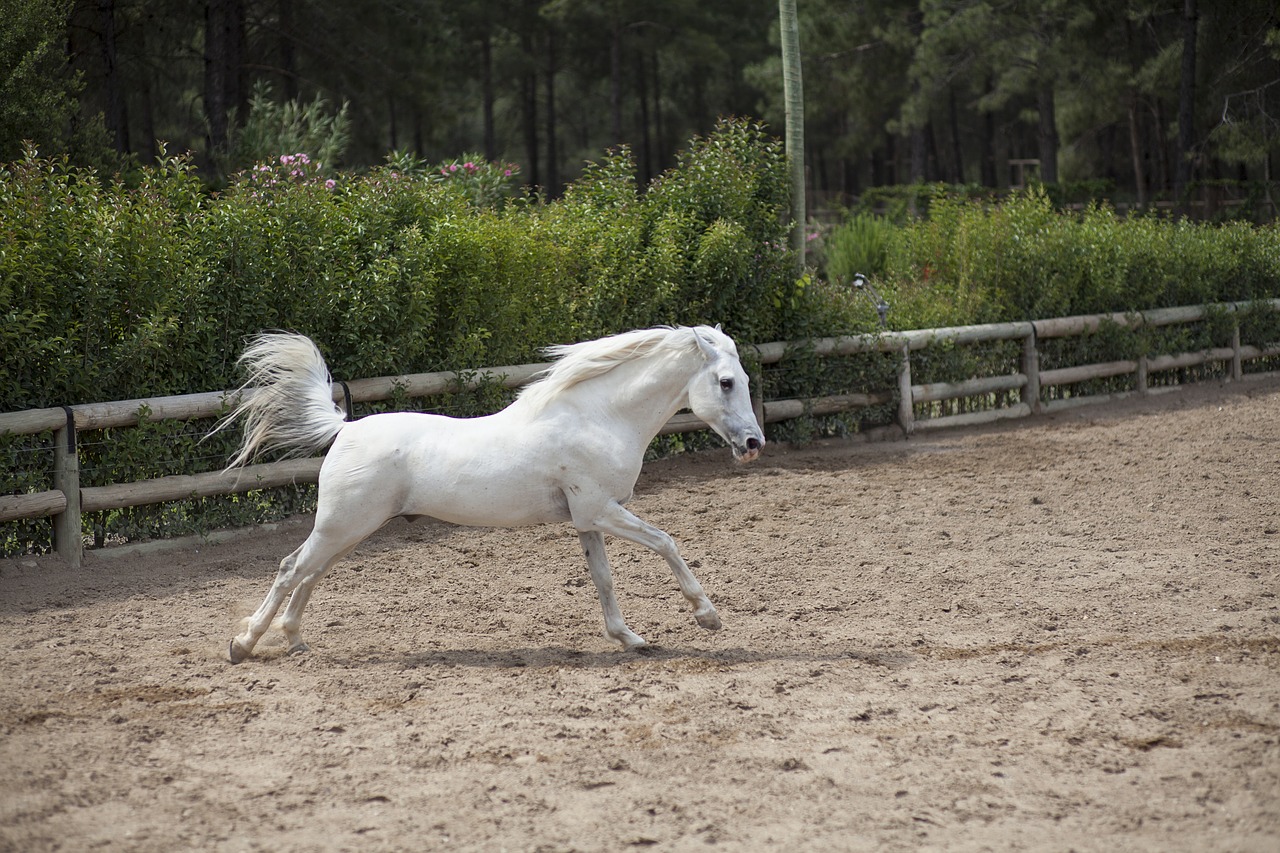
578	362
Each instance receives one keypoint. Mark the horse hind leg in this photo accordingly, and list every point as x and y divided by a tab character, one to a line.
291	620
298	574
598	562
257	623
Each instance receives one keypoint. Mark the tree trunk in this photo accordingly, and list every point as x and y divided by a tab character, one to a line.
987	165
646	152
793	97
615	80
918	145
223	69
1162	150
529	99
288	54
147	97
659	132
215	74
116	117
553	153
1186	103
1135	148
957	148
486	94
1047	135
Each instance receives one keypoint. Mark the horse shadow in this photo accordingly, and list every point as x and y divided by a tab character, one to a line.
561	657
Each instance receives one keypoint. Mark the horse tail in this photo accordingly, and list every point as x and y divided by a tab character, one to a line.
287	402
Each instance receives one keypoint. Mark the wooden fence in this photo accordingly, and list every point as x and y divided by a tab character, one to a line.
66	500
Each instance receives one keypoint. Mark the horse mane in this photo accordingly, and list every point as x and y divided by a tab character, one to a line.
576	363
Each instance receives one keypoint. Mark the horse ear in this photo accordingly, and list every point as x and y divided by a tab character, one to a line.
718	327
708	350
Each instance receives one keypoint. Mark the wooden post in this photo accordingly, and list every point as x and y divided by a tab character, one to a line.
1031	369
757	397
67	539
906	400
1141	379
1237	363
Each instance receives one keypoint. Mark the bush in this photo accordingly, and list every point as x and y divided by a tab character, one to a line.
973	261
112	292
859	245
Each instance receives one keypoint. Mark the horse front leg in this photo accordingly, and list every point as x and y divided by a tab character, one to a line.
616	520
598	562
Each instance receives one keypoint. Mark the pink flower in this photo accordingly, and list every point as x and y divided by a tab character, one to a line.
507	173
330	184
453	167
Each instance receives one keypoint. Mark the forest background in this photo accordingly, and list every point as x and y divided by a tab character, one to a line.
1134	100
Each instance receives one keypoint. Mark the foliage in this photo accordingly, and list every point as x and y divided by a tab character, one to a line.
38	91
859	245
114	291
271	130
972	261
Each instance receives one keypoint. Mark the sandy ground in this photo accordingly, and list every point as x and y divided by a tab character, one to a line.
1060	634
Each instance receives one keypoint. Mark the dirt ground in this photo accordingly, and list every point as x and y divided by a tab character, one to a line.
1058	634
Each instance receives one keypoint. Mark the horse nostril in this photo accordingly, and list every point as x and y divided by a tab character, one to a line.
753	444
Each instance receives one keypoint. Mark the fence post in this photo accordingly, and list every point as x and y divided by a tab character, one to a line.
757	396
1031	369
67	537
1237	364
906	403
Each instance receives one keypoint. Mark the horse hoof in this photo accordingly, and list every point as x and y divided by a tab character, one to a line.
298	648
709	620
236	652
632	643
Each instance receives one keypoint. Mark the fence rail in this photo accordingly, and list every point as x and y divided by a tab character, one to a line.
66	501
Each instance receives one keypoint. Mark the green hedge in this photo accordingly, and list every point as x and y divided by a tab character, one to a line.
113	289
975	261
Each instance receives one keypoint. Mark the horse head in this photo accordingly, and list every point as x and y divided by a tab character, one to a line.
720	396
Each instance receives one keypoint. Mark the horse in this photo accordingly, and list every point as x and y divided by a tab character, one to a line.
569	448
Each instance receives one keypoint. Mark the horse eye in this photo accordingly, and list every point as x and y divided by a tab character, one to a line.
726	384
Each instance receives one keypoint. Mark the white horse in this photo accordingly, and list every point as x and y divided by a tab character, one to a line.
568	449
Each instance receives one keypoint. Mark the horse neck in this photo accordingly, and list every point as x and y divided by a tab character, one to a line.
646	392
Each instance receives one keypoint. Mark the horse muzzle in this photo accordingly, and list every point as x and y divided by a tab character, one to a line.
749	450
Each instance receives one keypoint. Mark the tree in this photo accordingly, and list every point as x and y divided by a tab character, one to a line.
1186	99
38	88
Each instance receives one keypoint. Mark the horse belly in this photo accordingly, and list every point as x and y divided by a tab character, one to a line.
477	472
499	507
468	477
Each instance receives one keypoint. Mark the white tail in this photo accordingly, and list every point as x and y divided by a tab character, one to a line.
286	402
